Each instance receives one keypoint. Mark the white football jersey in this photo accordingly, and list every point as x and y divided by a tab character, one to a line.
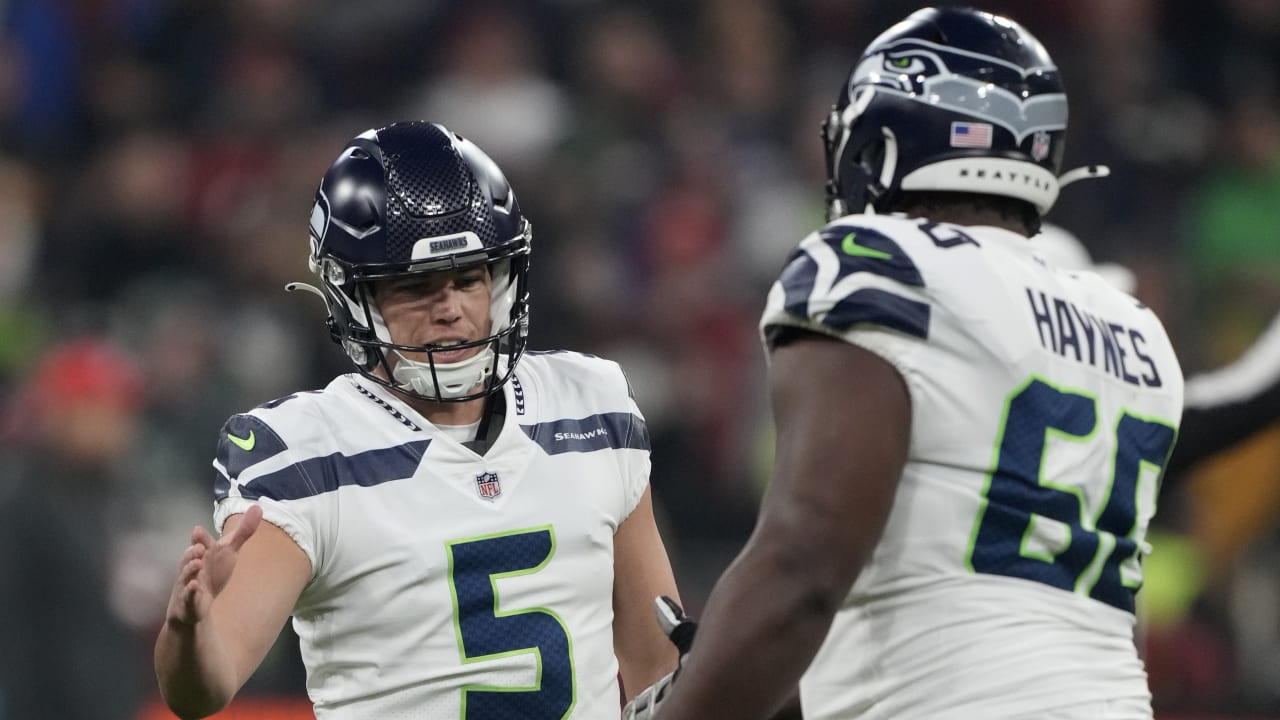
1044	405
447	584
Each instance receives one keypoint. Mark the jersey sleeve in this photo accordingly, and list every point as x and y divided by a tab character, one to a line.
855	282
253	465
636	464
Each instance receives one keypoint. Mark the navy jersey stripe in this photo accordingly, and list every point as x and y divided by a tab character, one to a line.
325	474
246	441
865	250
858	250
797	281
878	307
596	432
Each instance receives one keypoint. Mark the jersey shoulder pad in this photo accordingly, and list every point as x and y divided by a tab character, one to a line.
580	371
582	399
244	441
271	436
858	269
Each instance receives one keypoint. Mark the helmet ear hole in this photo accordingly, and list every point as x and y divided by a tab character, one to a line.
871	158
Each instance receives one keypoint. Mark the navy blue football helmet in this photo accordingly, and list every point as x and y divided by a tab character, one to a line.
953	100
408	199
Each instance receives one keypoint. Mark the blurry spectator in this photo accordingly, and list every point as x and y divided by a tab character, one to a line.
45	74
1253	616
489	81
1233	254
22	324
120	218
1233	237
67	655
262	87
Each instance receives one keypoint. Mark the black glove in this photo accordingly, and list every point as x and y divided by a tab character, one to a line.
680	630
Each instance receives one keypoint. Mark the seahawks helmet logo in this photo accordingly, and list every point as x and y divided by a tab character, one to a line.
943	77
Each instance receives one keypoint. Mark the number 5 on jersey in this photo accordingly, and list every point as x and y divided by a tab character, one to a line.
486	633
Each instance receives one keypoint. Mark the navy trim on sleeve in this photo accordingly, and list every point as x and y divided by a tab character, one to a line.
604	431
246	441
879	307
320	475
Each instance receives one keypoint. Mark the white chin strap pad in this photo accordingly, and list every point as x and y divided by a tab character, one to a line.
456	379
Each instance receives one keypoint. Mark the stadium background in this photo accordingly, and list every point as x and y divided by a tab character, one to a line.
158	160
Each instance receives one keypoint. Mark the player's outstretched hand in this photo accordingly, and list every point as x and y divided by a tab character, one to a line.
680	629
205	568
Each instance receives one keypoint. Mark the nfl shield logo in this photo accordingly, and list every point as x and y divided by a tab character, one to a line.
488	485
1040	146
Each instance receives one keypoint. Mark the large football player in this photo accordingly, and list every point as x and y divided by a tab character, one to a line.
970	439
460	529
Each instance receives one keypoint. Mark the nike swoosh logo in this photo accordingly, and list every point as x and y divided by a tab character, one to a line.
850	246
245	444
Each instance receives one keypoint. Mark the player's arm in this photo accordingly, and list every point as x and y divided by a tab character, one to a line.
1226	406
843	420
641	572
229	603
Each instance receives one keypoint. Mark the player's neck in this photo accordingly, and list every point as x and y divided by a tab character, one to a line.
961	214
446	413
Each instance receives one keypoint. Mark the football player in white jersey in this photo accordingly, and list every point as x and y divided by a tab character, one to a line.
460	529
970	439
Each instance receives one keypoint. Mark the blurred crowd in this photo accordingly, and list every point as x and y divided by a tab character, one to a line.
158	161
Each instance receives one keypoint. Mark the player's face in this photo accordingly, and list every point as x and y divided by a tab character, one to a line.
439	308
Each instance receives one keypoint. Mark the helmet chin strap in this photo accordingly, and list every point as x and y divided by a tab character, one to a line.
455	379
